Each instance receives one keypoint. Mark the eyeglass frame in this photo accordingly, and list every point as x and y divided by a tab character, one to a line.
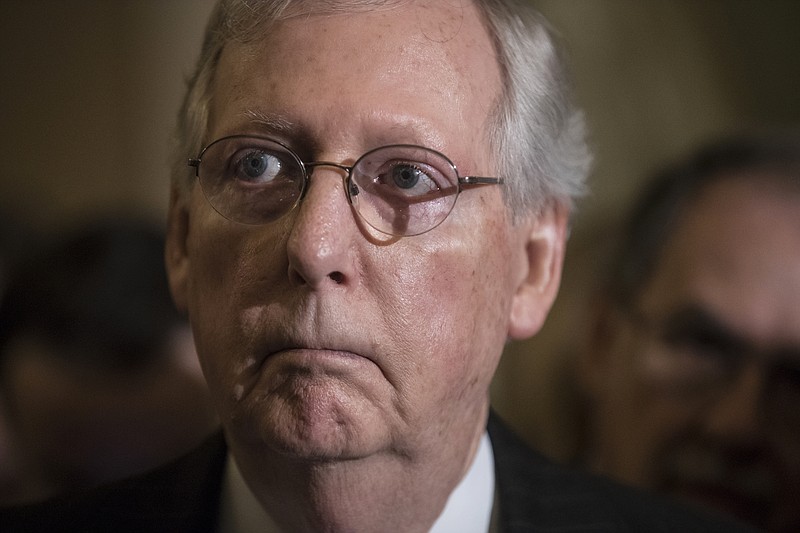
461	181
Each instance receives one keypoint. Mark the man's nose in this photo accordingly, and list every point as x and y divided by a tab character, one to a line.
320	246
736	414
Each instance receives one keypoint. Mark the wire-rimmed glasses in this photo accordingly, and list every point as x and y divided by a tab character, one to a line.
400	190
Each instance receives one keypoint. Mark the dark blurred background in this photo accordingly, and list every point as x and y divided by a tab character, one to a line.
91	87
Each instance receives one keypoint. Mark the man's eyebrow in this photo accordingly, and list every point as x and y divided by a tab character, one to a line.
402	129
700	321
271	122
280	126
377	130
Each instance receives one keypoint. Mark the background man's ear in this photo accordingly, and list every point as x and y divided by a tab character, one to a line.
544	246
176	252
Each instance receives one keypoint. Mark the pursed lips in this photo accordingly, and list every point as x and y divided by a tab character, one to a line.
312	354
331	356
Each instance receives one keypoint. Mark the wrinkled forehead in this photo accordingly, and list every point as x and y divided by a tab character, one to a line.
246	21
455	29
434	61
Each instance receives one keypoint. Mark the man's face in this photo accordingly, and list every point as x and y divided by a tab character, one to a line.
699	391
318	337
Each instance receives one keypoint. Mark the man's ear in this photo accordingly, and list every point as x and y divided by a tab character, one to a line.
176	252
545	244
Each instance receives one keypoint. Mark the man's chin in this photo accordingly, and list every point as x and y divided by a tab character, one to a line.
312	431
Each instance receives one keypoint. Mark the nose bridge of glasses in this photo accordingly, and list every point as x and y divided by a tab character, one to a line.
314	164
349	187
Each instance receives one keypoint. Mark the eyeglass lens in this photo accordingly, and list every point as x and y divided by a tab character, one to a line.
399	190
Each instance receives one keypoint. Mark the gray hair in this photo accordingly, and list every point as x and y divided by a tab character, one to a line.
535	130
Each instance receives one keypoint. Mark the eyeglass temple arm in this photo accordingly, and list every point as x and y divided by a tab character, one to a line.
194	162
466	180
478	180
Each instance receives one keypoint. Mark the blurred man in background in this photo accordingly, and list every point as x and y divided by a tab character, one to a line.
98	373
693	370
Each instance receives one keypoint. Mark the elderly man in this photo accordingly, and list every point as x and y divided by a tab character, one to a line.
377	198
694	372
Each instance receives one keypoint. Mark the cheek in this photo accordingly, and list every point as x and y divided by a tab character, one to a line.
641	412
455	310
230	265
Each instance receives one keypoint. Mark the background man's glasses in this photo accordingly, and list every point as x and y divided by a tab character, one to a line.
399	190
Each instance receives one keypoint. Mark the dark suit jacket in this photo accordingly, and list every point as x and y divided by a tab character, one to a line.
534	495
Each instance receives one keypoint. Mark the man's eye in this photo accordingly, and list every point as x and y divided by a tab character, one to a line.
705	347
697	344
257	166
406	177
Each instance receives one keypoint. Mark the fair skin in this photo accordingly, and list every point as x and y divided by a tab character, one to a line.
351	370
726	290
